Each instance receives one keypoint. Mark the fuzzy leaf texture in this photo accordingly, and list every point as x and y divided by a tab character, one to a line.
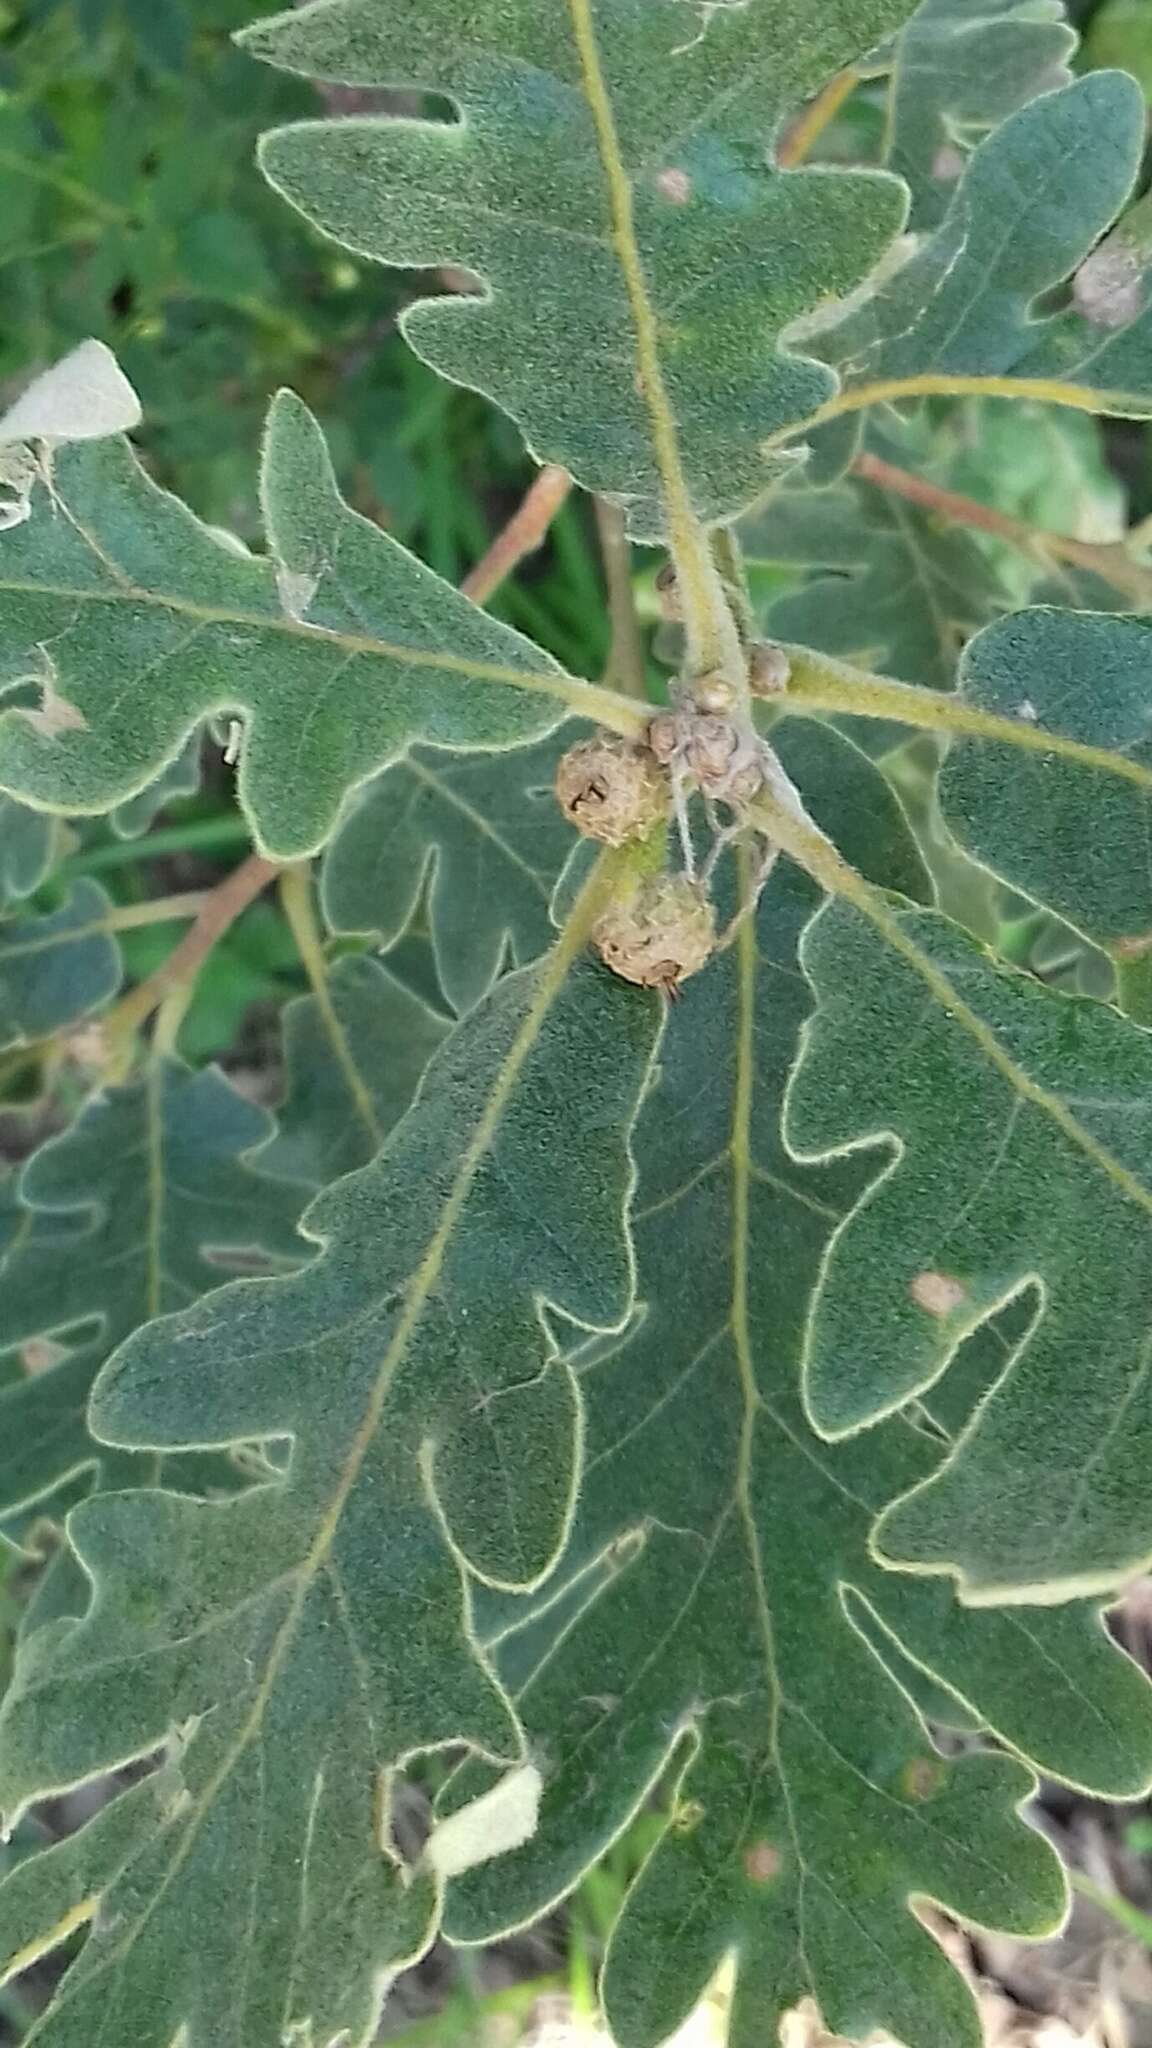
1068	828
136	622
720	1612
600	156
959	68
355	1058
1035	198
310	1634
56	969
25	850
480	834
130	1213
897	591
1010	1127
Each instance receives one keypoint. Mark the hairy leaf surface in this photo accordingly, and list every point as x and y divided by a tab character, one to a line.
55	969
482	833
313	1633
904	590
1071	832
1011	1128
355	1060
960	67
131	1212
180	778
336	654
718	1605
601	156
1036	196
25	850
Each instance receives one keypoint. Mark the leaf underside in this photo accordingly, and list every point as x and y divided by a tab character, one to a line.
663	1399
133	1211
599	157
959	68
56	969
312	1632
1035	198
726	1611
137	622
1011	1128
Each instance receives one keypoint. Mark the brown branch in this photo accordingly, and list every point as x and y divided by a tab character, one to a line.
522	536
1107	559
220	909
802	134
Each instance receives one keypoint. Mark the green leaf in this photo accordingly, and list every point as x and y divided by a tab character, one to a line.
1066	831
135	1210
25	850
905	590
1037	195
336	655
721	1550
601	156
56	969
842	789
354	1060
180	778
311	1634
959	68
483	833
1009	1128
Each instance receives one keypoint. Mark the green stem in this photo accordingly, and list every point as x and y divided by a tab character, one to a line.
711	635
199	835
933	384
1121	1910
626	668
299	909
819	683
125	917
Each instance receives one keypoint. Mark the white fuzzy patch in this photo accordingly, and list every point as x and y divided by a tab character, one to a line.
81	398
501	1819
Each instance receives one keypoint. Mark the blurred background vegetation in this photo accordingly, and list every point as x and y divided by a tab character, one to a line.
131	209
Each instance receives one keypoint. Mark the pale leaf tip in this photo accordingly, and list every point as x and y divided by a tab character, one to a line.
83	397
502	1819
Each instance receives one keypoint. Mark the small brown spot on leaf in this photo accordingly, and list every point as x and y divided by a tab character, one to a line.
761	1862
937	1293
922	1777
40	1354
55	714
1108	289
948	164
1133	948
675	186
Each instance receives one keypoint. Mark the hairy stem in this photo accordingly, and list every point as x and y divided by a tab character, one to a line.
710	632
819	683
1111	561
933	384
625	669
523	534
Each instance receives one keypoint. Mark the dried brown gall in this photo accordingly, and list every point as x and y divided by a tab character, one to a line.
659	936
611	790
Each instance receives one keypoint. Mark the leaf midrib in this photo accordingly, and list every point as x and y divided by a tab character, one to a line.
568	946
590	698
